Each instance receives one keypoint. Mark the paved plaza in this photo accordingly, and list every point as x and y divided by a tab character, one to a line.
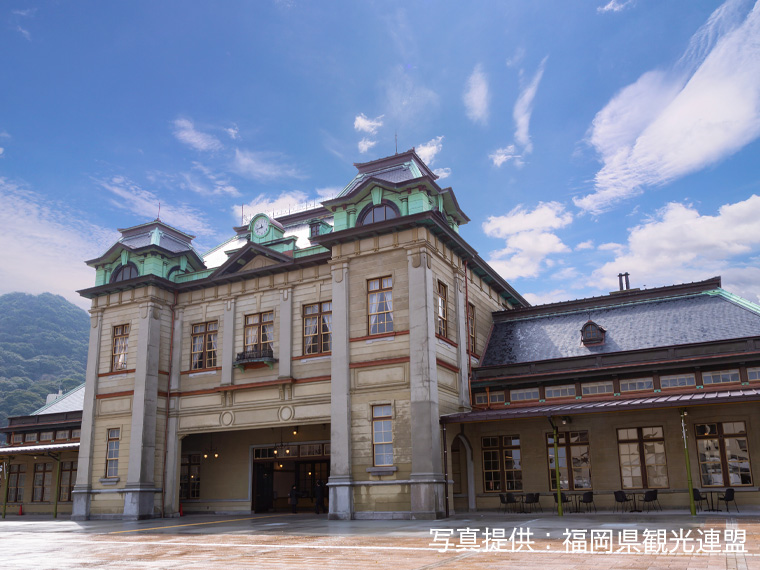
475	541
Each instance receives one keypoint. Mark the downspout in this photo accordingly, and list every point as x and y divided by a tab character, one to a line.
556	467
445	469
7	476
467	331
166	413
690	484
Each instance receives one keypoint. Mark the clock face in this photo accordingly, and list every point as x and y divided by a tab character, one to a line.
261	226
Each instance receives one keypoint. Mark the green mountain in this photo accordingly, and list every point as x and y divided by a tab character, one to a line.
43	347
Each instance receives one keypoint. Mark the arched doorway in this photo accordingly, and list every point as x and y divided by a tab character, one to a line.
463	474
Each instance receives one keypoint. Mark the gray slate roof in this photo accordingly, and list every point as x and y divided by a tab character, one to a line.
71	401
165	240
703	317
395	174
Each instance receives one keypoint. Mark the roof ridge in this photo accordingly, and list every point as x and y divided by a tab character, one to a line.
735	299
58	399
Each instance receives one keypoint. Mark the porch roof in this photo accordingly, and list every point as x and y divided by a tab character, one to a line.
31	449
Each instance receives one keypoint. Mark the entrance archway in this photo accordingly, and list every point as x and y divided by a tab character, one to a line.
463	473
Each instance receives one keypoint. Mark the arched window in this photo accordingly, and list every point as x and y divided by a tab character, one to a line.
174	272
128	271
591	333
372	214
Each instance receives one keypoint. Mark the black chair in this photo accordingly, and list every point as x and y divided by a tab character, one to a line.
699	498
588	499
565	500
533	502
503	502
621	499
728	497
512	502
650	498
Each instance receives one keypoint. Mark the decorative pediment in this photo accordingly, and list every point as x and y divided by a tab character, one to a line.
252	257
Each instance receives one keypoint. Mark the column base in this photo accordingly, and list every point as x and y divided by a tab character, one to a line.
139	502
341	499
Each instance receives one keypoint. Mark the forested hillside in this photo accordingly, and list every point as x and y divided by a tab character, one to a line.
43	346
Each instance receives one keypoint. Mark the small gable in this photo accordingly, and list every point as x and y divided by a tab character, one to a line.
257	263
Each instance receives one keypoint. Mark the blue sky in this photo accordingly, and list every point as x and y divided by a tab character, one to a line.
582	138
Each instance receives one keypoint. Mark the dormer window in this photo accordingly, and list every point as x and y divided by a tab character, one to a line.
592	334
380	213
128	271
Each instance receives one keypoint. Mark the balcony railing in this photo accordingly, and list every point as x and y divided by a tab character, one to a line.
264	355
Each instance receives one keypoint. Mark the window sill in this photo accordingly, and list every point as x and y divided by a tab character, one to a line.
446	340
313	356
380	471
109	480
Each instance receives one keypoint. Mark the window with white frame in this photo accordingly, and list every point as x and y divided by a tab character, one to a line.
523	394
566	391
380	305
720	377
481	398
120	346
636	384
753	373
596	388
496	397
677	381
441	310
382	435
112	452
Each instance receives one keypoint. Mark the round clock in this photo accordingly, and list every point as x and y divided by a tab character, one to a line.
261	226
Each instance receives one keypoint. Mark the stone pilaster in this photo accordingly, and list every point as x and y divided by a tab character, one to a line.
173	447
285	351
228	341
81	494
463	340
341	492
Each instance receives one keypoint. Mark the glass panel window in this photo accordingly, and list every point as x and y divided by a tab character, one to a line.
30	437
68	479
380	305
43	482
62	434
203	345
190	477
46	436
720	377
677	381
441	310
317	328
594	388
258	334
471	327
76	433
636	384
723	451
643	464
481	399
753	373
119	348
112	453
573	458
502	463
17	438
560	391
496	398
382	435
16	480
377	214
523	394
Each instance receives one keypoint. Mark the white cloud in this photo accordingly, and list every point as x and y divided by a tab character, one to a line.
476	96
614	6
669	124
43	245
524	109
285	201
144	204
442	173
263	166
365	144
545	216
679	244
428	150
185	132
29	13
406	99
585	245
517	58
502	155
366	125
546	297
202	180
232	132
24	32
2	150
328	192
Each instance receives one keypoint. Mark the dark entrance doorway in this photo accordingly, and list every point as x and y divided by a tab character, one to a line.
263	487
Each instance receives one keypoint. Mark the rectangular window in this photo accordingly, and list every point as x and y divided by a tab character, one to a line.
496	449
574	460
471	326
62	435
258	334
677	381
120	345
753	373
481	399
441	322
512	463
16	480
720	377
643	464
594	388
496	397
523	394
203	347
560	391
491	465
68	480
723	454
112	455
76	433
17	438
190	477
382	435
46	436
636	384
30	438
264	453
317	328
43	482
380	304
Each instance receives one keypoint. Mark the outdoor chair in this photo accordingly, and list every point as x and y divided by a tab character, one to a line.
533	502
565	500
588	499
621	499
728	497
699	498
503	502
512	502
650	499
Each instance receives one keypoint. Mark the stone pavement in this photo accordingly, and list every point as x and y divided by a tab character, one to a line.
474	541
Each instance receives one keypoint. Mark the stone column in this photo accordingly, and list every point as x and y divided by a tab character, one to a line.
81	496
427	476
140	488
173	446
341	492
286	332
228	341
463	340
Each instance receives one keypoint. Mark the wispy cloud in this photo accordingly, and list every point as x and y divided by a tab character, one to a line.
502	155
442	173
365	144
615	6
263	166
476	96
670	123
427	151
55	241
232	132
680	241
144	204
24	32
28	13
529	239
186	133
364	124
204	181
263	203
406	99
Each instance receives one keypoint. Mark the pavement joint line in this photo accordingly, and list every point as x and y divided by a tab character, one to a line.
195	524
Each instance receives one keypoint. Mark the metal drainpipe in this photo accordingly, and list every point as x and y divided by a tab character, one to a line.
445	469
690	484
7	473
166	413
556	468
467	332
